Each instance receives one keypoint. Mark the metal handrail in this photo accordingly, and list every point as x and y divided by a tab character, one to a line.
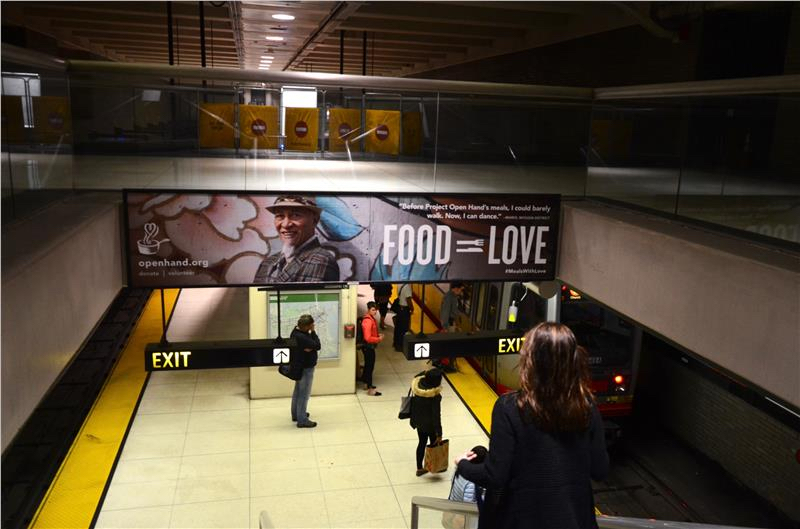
620	522
723	87
395	84
604	522
22	56
775	84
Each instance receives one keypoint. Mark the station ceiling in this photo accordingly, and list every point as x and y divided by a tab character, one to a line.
401	38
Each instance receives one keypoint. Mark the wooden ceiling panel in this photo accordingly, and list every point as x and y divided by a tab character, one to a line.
401	37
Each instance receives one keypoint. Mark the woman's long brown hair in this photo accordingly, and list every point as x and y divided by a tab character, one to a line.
554	379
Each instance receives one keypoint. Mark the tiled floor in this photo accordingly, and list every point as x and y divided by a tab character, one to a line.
201	454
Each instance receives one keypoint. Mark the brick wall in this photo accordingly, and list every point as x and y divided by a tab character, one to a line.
753	447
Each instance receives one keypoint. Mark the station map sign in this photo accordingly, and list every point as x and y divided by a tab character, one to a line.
193	238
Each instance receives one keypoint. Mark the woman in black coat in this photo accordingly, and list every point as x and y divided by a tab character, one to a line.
426	411
547	441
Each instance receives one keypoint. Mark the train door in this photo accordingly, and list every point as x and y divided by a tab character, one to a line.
483	304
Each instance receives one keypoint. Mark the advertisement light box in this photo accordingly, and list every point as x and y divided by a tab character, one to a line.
191	239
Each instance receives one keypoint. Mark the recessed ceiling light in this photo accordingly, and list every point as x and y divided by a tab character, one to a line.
263	67
270	57
275	38
282	16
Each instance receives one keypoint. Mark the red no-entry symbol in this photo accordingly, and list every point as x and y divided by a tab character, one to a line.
301	129
56	120
258	127
344	130
382	132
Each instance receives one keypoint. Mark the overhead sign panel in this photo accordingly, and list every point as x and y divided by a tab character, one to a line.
449	344
183	239
179	356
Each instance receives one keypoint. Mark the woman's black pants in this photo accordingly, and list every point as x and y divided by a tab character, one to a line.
423	441
369	364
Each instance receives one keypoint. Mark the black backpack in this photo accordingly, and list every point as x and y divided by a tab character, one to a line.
360	332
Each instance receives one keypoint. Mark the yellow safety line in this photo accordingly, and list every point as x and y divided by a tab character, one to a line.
74	494
478	396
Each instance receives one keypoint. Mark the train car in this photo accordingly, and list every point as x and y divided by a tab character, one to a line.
611	341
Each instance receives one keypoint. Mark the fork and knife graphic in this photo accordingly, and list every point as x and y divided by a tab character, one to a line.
469	246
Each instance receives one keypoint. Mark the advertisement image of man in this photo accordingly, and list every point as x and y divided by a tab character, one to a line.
302	259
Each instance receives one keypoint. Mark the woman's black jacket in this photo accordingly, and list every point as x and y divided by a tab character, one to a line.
545	478
426	407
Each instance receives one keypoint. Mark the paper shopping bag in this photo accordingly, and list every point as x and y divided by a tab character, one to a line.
436	456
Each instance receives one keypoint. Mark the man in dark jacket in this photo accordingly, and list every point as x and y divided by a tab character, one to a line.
305	355
426	411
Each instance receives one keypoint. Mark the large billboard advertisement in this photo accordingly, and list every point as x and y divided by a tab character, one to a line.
183	239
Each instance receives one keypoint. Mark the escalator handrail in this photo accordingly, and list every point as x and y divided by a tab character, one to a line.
620	522
603	521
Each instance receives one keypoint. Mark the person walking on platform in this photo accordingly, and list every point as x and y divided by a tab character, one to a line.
448	316
547	441
308	347
426	411
449	312
402	319
383	291
371	338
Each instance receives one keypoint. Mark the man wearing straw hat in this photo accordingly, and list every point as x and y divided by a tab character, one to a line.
302	259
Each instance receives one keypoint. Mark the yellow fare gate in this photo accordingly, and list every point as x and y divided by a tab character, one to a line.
216	125
302	129
343	124
258	127
384	127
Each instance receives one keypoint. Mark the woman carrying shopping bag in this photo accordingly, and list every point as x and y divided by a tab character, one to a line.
426	411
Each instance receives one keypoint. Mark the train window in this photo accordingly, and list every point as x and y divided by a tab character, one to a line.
605	336
531	311
489	322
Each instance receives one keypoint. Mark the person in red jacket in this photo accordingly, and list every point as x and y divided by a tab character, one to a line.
371	338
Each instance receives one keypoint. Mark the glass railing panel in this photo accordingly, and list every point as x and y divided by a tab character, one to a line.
36	139
400	141
511	145
152	135
634	152
726	160
351	139
740	167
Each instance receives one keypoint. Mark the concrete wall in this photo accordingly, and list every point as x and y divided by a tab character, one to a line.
729	301
61	270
